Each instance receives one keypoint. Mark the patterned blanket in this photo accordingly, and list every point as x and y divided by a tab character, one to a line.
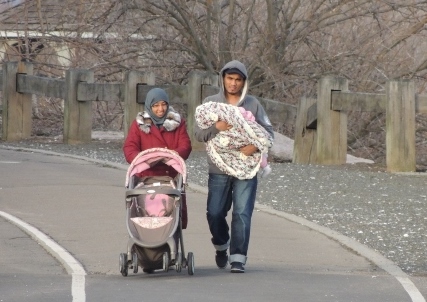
223	149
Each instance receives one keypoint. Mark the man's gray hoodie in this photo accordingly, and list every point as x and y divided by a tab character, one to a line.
248	102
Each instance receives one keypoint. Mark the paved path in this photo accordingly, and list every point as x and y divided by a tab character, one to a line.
80	205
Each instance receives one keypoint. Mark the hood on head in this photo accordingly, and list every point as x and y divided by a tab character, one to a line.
235	67
234	71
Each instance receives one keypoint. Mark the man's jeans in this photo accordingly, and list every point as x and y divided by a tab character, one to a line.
225	191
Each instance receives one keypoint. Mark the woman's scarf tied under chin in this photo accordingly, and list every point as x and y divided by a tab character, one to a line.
171	122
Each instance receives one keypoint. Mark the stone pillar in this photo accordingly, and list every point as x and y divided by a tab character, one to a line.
77	115
194	99
17	108
131	107
400	126
305	139
331	125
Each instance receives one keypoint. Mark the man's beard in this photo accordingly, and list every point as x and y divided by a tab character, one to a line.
235	93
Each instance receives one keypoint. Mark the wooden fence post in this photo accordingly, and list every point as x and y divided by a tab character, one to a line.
400	126
195	82
305	138
17	107
77	115
131	107
331	125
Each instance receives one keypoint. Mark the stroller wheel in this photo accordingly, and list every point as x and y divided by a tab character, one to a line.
190	262
123	264
165	261
135	263
178	263
148	270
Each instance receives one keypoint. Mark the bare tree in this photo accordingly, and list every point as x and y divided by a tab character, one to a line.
286	45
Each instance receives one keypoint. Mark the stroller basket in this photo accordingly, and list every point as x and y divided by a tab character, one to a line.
153	210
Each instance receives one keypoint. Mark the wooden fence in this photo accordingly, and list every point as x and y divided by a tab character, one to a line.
321	125
79	90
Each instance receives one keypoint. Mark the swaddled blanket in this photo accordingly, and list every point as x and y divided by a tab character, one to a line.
223	149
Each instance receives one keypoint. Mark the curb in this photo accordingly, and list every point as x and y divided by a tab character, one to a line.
371	255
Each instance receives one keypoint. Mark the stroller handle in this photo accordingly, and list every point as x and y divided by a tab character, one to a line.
159	190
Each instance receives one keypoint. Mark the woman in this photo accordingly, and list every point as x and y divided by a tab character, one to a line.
159	126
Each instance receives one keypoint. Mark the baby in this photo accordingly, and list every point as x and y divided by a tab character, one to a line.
266	169
224	148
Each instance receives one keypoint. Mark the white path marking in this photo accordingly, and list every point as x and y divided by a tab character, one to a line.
363	250
73	267
381	261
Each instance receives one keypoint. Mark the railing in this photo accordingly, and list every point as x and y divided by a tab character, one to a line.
321	125
79	90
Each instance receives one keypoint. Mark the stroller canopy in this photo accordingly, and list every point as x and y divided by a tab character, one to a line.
150	157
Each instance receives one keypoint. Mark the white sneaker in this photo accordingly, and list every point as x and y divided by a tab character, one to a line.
266	171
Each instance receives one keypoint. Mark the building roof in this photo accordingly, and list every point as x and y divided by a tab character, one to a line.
20	15
23	18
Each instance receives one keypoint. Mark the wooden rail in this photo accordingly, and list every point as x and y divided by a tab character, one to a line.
79	90
321	125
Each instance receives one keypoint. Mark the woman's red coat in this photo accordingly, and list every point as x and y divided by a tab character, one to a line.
137	141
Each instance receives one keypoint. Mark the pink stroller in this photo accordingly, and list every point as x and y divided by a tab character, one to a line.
153	215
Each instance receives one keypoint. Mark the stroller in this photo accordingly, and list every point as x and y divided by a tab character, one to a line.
153	215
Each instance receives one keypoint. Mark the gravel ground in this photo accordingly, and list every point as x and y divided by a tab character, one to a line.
384	211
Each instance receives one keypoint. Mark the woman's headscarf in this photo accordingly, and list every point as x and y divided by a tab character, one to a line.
154	96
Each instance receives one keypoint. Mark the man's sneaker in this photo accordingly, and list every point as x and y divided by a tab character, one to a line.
237	267
221	259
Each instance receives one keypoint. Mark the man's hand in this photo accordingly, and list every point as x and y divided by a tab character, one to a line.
222	126
248	150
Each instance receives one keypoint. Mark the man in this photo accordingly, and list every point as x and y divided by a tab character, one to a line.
225	190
